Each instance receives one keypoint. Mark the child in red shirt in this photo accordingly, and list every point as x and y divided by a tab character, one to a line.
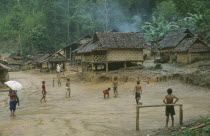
106	92
43	92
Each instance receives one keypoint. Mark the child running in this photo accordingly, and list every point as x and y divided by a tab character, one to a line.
138	92
68	89
43	92
170	109
106	93
115	85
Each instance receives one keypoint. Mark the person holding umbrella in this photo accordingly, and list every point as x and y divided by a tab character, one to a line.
14	86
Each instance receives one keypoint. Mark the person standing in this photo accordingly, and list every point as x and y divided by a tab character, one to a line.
138	93
13	102
115	86
44	92
170	109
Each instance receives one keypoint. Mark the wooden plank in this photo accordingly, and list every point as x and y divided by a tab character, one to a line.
161	105
137	118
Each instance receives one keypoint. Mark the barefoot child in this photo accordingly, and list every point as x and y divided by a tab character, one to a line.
170	109
13	102
68	89
138	92
106	93
115	85
43	92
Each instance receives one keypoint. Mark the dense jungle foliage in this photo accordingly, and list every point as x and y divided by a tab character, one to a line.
30	25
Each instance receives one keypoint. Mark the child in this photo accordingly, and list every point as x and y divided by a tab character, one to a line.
138	93
170	109
59	79
106	92
68	89
43	92
115	85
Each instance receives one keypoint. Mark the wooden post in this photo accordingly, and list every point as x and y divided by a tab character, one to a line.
180	115
137	117
125	65
107	66
82	67
77	66
92	65
53	82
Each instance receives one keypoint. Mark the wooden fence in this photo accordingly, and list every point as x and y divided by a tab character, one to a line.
161	105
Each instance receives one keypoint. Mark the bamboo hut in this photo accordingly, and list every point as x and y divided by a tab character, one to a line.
69	52
110	48
171	41
49	62
192	50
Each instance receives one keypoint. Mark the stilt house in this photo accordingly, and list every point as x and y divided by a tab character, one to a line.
192	50
68	51
112	48
171	41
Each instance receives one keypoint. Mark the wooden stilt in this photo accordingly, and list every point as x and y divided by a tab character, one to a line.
92	65
125	65
180	115
107	66
137	117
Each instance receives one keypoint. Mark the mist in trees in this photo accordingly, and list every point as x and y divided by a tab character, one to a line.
34	25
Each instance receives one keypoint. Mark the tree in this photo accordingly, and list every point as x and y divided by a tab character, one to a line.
166	9
157	28
39	38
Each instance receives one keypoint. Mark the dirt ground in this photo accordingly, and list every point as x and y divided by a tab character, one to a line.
87	113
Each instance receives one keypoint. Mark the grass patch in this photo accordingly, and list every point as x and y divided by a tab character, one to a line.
201	131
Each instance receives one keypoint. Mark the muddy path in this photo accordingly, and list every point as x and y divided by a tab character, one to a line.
86	113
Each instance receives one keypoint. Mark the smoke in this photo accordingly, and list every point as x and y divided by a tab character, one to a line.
123	22
129	26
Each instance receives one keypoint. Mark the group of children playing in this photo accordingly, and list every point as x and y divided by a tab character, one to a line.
168	99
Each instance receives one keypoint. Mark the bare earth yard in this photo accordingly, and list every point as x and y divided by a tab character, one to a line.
86	113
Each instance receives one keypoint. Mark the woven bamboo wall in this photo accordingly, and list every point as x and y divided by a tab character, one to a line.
99	58
182	57
86	58
78	57
200	56
44	65
125	55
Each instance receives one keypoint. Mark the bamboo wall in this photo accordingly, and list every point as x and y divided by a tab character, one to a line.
200	56
182	57
125	55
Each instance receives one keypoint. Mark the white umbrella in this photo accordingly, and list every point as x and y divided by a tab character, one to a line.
14	85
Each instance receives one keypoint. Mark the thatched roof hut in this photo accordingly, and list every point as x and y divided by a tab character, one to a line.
191	50
114	40
69	50
113	47
173	38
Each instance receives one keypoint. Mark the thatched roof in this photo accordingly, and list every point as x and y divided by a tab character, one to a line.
173	38
42	58
56	58
114	40
192	45
76	44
